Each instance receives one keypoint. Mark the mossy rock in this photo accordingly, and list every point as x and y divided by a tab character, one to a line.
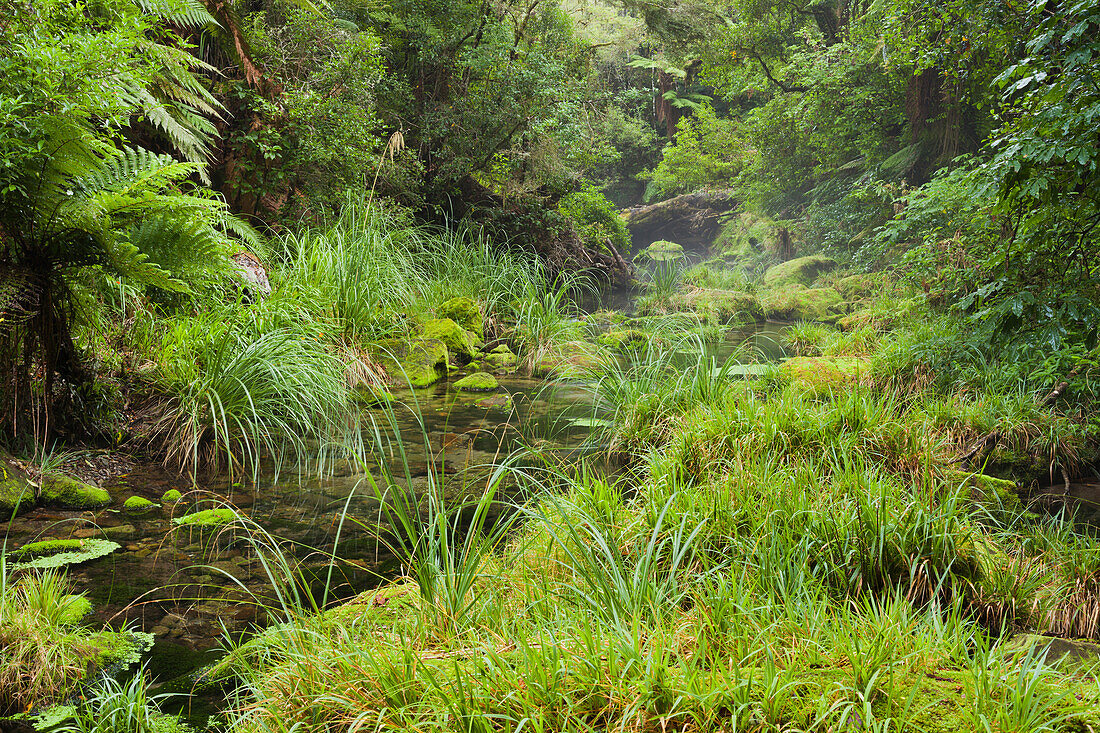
76	608
466	312
422	362
719	306
798	303
1056	651
822	375
64	492
623	339
800	271
501	358
207	518
60	553
16	490
171	496
137	505
989	491
856	287
663	251
457	339
478	382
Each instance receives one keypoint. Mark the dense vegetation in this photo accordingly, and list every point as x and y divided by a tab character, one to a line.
238	238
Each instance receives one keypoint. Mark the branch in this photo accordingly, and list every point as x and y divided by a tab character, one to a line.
789	88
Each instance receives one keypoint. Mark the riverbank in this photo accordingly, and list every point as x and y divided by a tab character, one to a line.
802	545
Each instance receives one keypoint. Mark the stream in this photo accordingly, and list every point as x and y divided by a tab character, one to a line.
174	581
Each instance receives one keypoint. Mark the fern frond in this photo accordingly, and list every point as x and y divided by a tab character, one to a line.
184	13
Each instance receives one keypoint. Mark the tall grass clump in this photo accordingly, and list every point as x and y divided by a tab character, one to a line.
360	270
247	398
123	707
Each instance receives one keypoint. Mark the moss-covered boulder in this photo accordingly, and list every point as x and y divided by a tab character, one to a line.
501	358
371	395
137	505
624	338
458	340
800	271
991	492
16	490
171	496
419	362
822	375
466	312
798	303
719	306
479	382
207	518
663	251
65	492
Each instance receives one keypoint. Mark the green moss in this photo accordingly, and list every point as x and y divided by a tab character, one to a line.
68	493
465	312
855	287
501	358
455	337
76	608
207	518
622	339
800	271
821	375
47	547
798	303
16	492
994	493
137	504
474	366
719	306
171	496
61	553
479	382
663	251
422	362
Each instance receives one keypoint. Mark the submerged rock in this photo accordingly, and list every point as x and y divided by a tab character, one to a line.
67	493
800	271
465	312
479	382
420	362
458	340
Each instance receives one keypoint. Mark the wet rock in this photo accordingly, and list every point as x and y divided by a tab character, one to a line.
457	340
800	271
160	631
478	382
497	401
1062	652
171	496
465	312
663	251
574	360
138	505
68	493
624	338
501	358
420	362
121	532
